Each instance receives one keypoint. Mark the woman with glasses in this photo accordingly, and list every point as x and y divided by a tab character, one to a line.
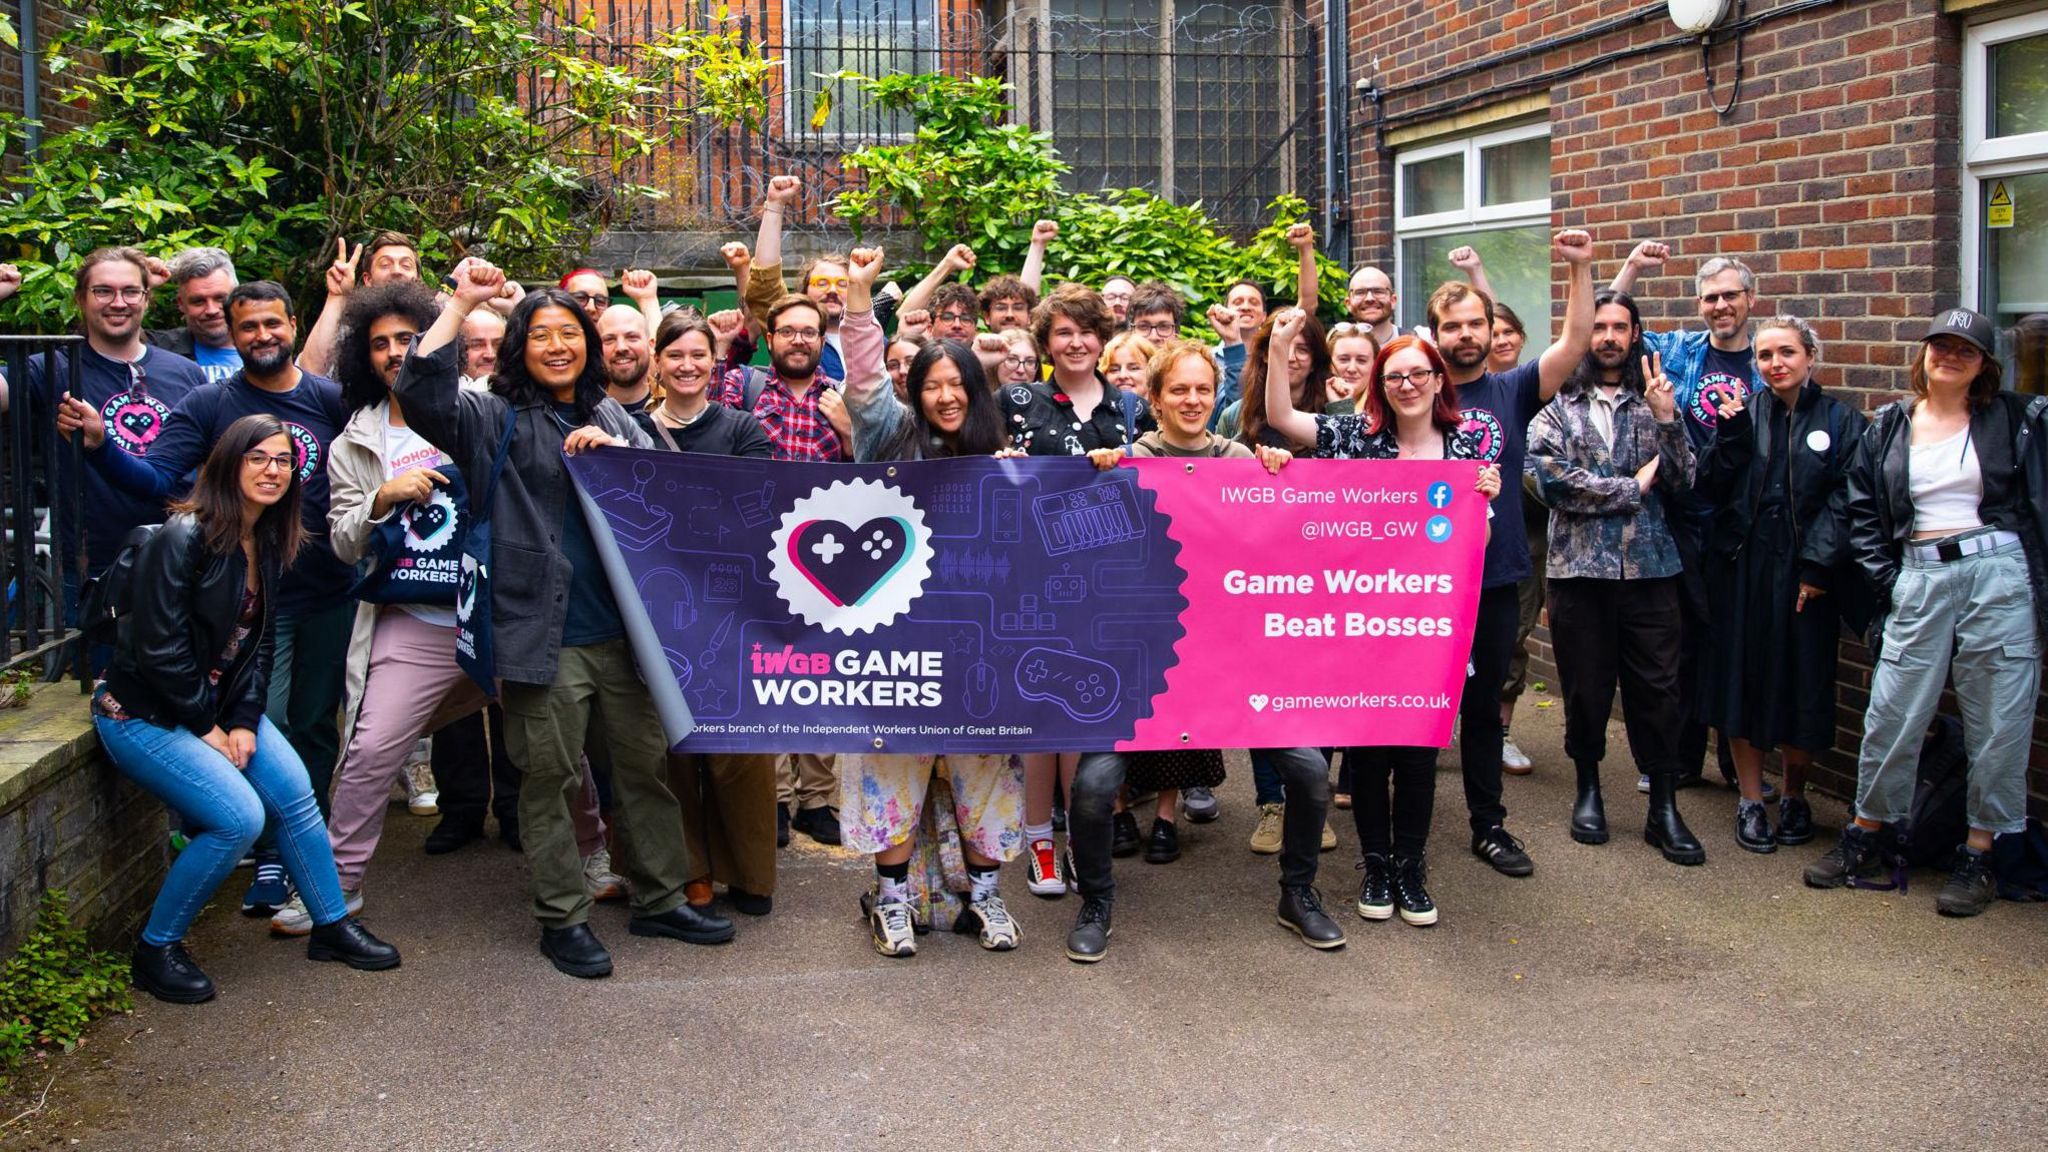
1945	500
1020	357
181	710
1409	412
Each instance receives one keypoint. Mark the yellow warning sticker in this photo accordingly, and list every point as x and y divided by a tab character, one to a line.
1998	210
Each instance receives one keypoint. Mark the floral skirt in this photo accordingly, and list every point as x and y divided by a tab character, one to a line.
939	803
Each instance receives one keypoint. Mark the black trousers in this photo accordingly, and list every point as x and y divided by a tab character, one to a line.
473	774
1304	773
1697	619
1479	734
1619	631
1398	826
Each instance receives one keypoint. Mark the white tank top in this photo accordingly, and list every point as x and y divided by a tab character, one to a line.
1947	484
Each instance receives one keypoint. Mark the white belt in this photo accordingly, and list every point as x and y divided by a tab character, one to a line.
1955	548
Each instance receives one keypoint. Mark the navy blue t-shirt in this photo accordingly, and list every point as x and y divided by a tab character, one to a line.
1723	375
593	615
312	416
1498	407
134	402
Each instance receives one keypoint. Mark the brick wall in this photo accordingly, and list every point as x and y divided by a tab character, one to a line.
1835	177
51	19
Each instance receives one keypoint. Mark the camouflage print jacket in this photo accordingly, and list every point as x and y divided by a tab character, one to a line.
1602	525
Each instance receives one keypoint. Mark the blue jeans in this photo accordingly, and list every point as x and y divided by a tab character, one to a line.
224	811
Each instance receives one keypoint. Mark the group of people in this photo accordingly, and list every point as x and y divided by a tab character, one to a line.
1698	515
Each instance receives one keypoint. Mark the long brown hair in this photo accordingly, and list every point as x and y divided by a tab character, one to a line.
1251	413
216	497
1990	378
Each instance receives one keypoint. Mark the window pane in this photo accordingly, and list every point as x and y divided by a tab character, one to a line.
2016	280
873	37
1513	173
2019	87
1432	186
1517	264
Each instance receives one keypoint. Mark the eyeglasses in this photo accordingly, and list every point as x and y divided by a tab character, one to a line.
590	299
1341	329
954	318
1015	363
1374	293
1712	298
838	282
1418	377
804	335
1164	328
265	462
130	294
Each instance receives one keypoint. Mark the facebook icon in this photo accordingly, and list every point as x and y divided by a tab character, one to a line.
1440	495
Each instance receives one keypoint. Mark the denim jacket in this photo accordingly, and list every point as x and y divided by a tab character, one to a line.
1602	525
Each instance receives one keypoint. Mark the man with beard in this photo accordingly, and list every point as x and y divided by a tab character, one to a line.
202	278
1707	368
822	280
798	406
314	614
622	338
1498	407
1607	455
482	329
126	387
1371	300
1117	292
387	258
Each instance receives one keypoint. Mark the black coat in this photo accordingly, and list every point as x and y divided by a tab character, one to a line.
2011	437
1735	466
185	601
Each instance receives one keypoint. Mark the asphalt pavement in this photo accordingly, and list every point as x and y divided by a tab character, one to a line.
1611	1001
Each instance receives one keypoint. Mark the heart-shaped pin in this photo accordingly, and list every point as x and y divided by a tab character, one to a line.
425	521
1258	701
847	564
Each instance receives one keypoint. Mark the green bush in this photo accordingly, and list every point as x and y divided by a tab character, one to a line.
55	986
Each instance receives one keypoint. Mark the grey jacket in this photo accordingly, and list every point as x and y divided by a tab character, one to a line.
1601	524
529	574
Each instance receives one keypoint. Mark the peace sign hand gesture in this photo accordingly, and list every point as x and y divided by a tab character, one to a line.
1657	389
341	275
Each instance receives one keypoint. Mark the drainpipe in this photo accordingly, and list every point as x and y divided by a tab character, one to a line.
31	83
1336	102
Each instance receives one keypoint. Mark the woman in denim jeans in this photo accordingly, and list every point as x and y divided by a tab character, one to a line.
181	710
1945	500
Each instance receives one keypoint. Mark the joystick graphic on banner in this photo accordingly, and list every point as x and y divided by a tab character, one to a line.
1083	688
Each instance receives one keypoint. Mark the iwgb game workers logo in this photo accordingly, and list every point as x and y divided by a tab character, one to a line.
851	556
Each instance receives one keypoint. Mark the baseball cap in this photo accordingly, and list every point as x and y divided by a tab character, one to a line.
1964	325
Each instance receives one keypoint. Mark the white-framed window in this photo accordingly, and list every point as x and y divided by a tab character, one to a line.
872	37
2005	189
1491	191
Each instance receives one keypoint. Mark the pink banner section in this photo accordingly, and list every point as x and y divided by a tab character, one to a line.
1329	606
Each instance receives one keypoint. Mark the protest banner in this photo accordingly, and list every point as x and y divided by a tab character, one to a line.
985	605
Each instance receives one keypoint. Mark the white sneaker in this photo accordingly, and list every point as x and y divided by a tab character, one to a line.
1044	877
422	795
603	884
1513	758
893	931
1643	783
294	920
999	933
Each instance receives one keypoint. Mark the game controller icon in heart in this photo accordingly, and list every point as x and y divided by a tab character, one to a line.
426	521
848	564
1083	688
136	423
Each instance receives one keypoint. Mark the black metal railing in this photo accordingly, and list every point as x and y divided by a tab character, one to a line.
42	506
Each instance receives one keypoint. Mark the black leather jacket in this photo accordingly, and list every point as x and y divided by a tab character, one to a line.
2011	438
184	602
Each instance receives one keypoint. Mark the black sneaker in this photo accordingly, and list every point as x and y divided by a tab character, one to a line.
1164	847
1502	851
1409	894
269	891
820	824
1376	891
1123	835
1795	821
1301	912
782	825
1089	941
1856	856
1971	886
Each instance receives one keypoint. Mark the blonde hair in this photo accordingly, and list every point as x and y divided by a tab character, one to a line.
1132	341
1175	351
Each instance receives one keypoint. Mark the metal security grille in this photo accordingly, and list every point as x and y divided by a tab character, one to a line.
1211	102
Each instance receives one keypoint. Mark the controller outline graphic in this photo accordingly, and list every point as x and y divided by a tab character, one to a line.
1083	687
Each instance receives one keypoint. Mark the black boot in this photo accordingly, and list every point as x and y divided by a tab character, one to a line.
349	942
452	833
1753	827
1664	829
575	951
1589	817
166	971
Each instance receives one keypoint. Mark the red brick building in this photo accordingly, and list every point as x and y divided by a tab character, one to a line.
1872	161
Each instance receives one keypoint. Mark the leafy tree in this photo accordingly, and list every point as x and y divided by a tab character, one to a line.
267	127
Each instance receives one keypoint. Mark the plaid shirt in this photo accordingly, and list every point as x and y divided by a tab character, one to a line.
796	429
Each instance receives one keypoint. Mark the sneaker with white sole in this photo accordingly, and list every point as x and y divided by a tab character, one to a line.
893	930
1513	759
991	918
603	884
422	795
1200	804
294	920
270	889
1044	866
1643	783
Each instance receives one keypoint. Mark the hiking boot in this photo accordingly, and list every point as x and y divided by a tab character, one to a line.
1301	912
1856	856
1089	941
1971	886
1266	837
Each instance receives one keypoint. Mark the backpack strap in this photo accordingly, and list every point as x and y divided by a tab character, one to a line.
757	383
482	506
1129	401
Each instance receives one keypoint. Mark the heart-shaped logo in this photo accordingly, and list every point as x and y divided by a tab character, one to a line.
847	564
1258	701
425	521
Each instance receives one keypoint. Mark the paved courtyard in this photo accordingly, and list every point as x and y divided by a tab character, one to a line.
1611	1001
